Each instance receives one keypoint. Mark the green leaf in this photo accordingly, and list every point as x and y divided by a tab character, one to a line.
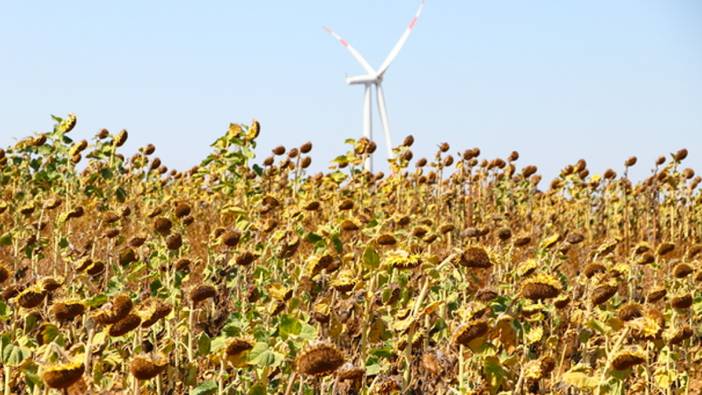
308	332
49	333
288	326
373	369
263	356
371	259
258	389
4	315
6	239
313	238
155	286
337	243
16	355
218	343
97	300
121	194
204	344
205	388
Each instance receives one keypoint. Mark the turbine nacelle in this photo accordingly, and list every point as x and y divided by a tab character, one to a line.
364	79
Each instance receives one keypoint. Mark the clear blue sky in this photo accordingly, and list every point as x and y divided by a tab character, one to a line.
555	80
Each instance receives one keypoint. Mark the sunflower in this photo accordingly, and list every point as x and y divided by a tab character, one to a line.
319	359
629	358
202	292
61	376
146	367
469	331
542	286
31	297
476	257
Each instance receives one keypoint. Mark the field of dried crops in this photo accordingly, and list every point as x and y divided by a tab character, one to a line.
452	275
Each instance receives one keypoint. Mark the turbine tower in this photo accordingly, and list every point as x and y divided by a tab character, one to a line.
374	78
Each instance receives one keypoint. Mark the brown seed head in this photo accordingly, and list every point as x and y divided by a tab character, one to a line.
279	150
202	292
628	358
680	155
125	325
476	257
62	376
146	367
469	331
681	301
163	225
230	238
603	293
319	360
682	270
306	147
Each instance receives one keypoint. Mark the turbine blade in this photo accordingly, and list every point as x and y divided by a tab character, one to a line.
356	55
401	42
384	118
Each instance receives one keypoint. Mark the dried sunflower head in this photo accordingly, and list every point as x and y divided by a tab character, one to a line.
403	260
319	359
680	335
146	367
238	345
656	294
49	284
345	281
476	257
542	286
202	292
469	331
4	273
646	327
350	372
527	268
645	258
629	358
593	268
245	258
630	311
682	301
61	376
67	310
682	270
386	239
561	301
665	248
125	325
603	293
154	310
31	297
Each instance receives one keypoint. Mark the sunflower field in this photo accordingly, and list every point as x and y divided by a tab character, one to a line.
448	275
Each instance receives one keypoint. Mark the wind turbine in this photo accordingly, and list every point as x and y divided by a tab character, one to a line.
375	78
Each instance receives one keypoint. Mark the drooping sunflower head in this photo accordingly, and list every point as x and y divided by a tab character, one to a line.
469	331
67	310
62	376
629	358
238	345
476	257
202	292
31	297
540	287
146	367
319	359
401	259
